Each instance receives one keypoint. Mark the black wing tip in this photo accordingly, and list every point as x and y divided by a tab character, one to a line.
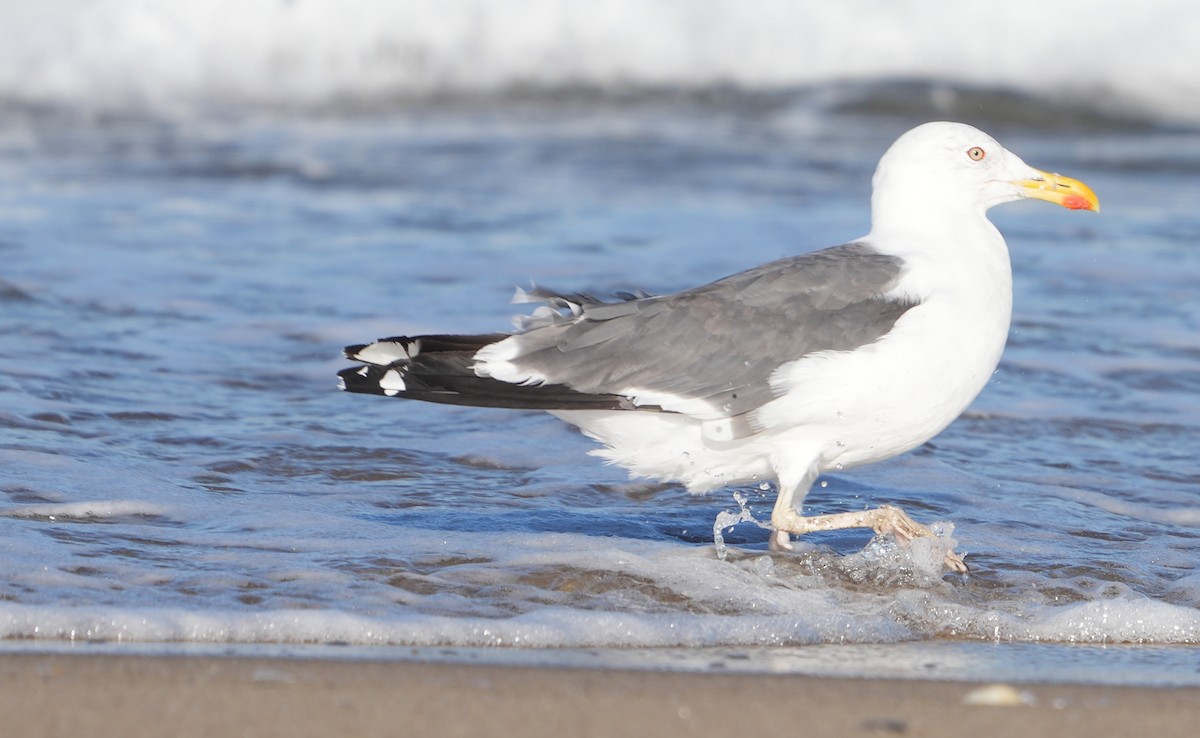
439	368
432	343
477	391
361	380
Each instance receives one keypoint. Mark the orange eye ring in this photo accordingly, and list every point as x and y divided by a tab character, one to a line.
976	153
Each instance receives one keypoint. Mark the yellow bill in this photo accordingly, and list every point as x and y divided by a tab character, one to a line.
1070	193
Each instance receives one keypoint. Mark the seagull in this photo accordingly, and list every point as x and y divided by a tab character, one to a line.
823	361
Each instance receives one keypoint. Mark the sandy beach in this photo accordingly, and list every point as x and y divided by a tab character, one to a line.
129	696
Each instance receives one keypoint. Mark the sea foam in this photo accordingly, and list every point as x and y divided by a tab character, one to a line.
179	57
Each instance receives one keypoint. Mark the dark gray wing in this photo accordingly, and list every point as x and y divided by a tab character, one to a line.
719	342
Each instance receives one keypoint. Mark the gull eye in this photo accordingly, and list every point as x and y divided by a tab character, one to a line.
976	153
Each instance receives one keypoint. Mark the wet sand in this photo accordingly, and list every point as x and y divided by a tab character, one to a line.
181	696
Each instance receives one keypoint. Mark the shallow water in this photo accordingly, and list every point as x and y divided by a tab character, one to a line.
178	465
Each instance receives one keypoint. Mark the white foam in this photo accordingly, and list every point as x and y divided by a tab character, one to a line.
1127	618
86	510
179	55
569	590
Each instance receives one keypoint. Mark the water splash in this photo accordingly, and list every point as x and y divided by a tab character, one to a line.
727	519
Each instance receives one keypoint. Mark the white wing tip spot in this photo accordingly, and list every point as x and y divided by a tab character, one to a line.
382	353
392	383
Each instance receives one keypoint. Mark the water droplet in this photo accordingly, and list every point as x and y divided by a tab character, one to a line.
824	483
838	466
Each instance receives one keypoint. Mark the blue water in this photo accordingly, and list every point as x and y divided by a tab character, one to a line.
178	465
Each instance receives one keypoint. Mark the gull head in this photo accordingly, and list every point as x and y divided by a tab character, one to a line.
939	167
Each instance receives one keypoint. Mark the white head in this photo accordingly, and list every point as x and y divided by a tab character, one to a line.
939	167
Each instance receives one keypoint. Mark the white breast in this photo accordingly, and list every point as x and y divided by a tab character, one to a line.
891	396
